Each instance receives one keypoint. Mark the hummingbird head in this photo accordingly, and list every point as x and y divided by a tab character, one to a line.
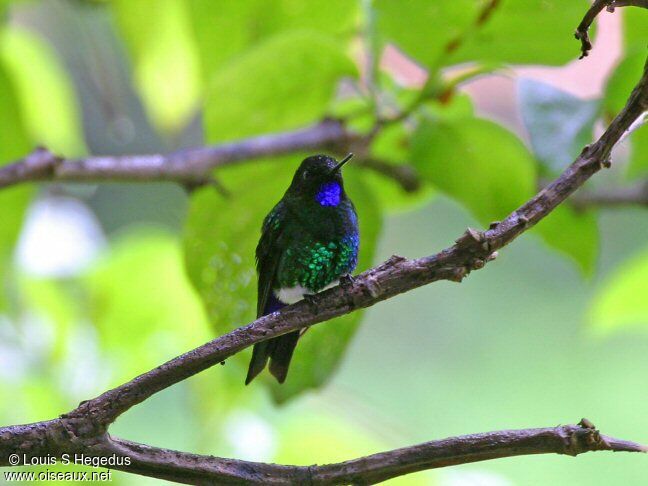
319	178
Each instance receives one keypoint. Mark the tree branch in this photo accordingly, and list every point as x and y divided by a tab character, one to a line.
187	166
85	428
189	468
593	12
192	167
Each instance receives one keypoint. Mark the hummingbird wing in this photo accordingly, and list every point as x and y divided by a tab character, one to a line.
268	255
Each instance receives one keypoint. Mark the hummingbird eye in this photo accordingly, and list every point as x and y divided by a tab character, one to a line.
305	175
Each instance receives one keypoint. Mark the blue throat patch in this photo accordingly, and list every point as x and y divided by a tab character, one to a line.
329	194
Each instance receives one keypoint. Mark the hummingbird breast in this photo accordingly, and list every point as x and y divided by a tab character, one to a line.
321	248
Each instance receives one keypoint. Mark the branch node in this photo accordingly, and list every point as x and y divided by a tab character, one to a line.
458	274
469	238
396	259
523	221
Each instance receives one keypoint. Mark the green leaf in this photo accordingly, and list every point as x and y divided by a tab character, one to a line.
618	89
423	29
226	29
621	301
477	162
526	32
638	167
165	58
558	123
278	85
572	233
392	144
45	92
220	240
14	143
635	26
142	303
623	79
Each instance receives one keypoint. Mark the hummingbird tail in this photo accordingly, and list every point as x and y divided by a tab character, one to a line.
281	354
260	355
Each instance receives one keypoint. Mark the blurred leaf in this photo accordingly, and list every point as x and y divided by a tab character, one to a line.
14	143
618	89
526	32
559	124
623	79
226	29
392	144
422	28
165	58
477	162
621	301
142	304
54	301
573	233
635	26
45	92
638	167
276	86
221	237
518	31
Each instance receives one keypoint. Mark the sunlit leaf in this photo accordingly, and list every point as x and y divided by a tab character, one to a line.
558	123
276	86
638	167
423	29
226	29
221	237
165	59
14	143
45	92
622	80
618	89
477	162
142	304
526	32
621	301
391	146
635	26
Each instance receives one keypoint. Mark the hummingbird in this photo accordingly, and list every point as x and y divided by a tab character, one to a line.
309	240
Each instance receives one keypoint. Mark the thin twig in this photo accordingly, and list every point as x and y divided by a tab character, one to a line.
593	12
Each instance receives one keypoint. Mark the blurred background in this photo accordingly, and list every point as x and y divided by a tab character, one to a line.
101	282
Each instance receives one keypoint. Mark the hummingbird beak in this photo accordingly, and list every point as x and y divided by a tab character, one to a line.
341	163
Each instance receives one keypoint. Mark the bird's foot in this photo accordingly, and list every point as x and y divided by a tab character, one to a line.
347	281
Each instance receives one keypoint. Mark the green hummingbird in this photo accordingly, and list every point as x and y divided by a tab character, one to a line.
309	240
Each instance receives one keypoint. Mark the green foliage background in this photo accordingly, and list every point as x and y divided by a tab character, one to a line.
553	330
